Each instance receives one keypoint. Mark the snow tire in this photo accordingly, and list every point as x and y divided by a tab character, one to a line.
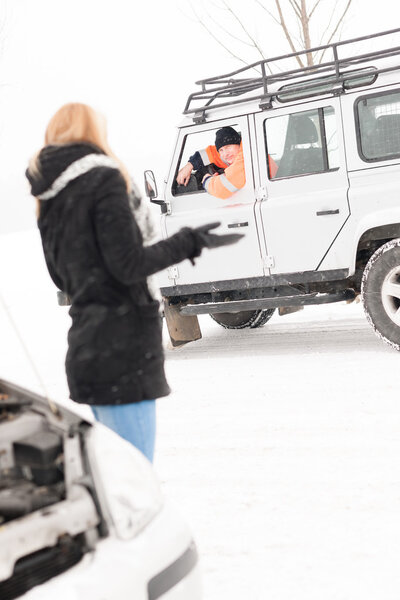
241	320
380	293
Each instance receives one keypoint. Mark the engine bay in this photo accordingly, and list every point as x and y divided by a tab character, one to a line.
49	511
31	460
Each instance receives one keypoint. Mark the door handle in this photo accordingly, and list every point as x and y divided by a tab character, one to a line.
322	213
243	224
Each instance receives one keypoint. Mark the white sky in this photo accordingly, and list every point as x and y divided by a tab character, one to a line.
135	61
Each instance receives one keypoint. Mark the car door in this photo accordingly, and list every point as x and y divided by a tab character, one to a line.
192	206
304	182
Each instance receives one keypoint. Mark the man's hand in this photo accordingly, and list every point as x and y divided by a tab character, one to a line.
184	174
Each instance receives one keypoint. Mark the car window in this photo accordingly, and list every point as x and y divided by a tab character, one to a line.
378	120
192	143
302	143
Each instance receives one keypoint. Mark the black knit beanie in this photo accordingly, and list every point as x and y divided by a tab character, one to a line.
227	136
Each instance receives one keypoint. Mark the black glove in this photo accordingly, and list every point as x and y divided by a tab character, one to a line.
214	240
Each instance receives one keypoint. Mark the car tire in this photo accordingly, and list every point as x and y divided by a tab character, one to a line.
380	292
246	318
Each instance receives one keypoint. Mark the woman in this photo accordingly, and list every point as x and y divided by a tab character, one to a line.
96	254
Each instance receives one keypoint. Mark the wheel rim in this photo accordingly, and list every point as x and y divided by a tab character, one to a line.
391	295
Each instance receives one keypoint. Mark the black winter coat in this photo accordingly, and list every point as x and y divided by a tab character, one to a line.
94	252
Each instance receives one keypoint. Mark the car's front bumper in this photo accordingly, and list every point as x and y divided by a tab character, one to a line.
160	563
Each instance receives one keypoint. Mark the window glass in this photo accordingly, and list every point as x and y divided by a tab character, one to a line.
302	143
331	137
192	143
379	123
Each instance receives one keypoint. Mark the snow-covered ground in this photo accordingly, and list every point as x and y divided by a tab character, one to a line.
281	445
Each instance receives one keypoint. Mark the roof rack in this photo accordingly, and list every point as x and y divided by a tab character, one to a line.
215	90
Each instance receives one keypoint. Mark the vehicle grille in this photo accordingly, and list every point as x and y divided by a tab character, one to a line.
39	567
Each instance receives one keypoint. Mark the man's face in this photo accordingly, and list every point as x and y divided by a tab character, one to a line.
229	153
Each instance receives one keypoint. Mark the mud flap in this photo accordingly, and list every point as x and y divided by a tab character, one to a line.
287	310
181	329
63	299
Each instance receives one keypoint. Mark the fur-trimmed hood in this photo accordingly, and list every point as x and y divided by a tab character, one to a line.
59	165
53	162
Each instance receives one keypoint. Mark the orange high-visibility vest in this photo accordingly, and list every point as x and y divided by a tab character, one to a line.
273	167
224	185
233	179
211	155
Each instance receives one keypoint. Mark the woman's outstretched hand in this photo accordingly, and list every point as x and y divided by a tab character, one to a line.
214	240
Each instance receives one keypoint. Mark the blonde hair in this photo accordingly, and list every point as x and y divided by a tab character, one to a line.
77	122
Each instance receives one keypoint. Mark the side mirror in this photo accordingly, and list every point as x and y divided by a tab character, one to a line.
150	185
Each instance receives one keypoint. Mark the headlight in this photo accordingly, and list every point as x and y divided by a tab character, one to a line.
126	485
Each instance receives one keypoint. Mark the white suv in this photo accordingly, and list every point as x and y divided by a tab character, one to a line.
322	227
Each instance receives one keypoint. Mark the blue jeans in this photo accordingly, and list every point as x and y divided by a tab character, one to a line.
135	422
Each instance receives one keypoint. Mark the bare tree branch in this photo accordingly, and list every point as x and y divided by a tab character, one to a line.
291	16
313	9
251	45
211	33
299	38
269	12
306	32
297	4
286	32
280	25
329	24
340	21
255	44
337	25
218	6
253	40
296	8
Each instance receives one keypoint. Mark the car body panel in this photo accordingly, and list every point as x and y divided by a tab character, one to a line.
121	570
132	542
